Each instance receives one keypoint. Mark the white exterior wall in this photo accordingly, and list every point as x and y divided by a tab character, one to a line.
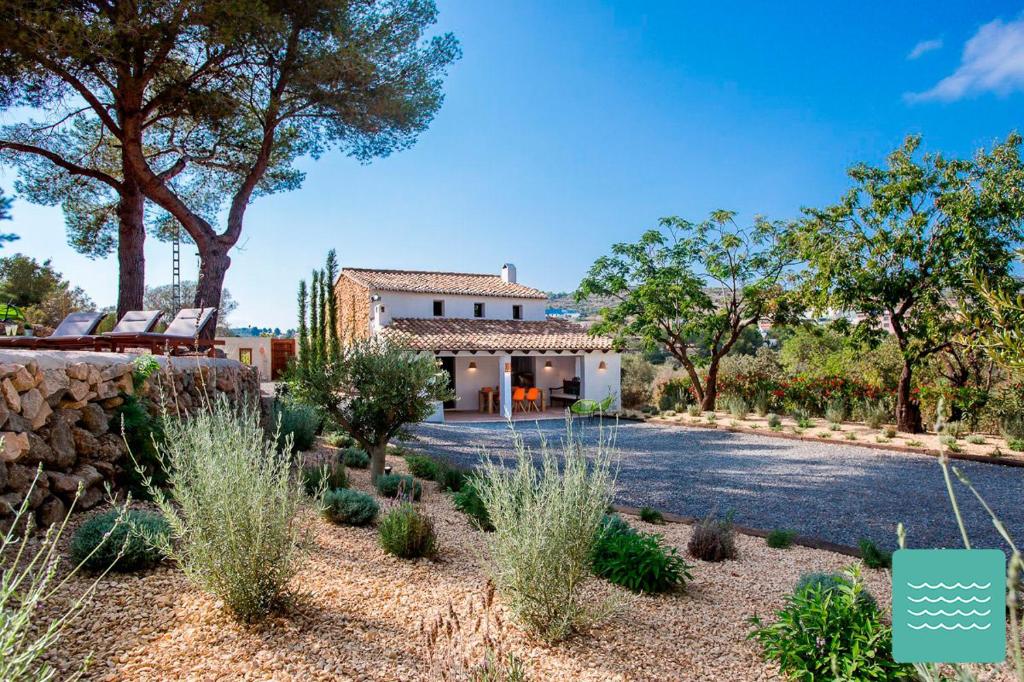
469	382
562	367
401	304
598	383
260	346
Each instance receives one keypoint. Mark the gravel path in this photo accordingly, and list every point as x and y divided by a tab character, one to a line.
835	492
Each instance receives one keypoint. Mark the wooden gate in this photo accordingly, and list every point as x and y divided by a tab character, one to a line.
281	351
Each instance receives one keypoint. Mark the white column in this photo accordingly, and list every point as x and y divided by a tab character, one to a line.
505	381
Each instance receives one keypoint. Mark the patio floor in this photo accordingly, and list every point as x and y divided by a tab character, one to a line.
472	416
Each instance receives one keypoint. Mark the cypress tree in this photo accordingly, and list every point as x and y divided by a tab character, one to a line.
314	319
334	343
303	332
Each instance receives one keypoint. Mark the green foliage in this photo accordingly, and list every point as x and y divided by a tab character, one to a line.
144	432
976	440
950	443
406	533
832	582
349	507
905	241
802	417
398	485
451	478
296	423
780	539
674	394
339	439
663	285
637	383
875	413
693	410
713	539
639	562
422	466
129	541
874	556
774	420
233	505
468	501
737	407
955	429
386	386
830	633
1016	444
651	515
317	478
356	458
546	521
836	412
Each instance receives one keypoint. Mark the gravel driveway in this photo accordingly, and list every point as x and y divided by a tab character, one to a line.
835	492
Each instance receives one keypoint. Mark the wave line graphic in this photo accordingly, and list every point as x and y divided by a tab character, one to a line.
950	614
954	586
953	600
942	626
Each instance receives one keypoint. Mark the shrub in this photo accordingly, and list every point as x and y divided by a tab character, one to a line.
451	478
639	562
875	413
355	458
915	443
737	407
422	466
317	478
339	439
143	433
850	435
836	411
299	421
710	417
469	503
713	539
651	515
835	427
1016	444
954	430
889	432
226	475
397	485
950	443
546	520
406	533
802	417
349	507
976	440
826	633
637	380
874	556
832	582
780	539
774	420
762	402
693	410
124	541
673	394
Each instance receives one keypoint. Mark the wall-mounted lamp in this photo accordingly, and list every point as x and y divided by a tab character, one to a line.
547	364
508	368
375	298
601	366
472	366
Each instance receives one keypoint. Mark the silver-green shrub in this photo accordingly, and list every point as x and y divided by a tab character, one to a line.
233	506
545	520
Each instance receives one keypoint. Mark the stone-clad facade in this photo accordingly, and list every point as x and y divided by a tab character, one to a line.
57	411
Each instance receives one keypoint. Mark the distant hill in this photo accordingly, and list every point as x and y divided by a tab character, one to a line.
587	309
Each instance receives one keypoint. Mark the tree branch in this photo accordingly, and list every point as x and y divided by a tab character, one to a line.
59	160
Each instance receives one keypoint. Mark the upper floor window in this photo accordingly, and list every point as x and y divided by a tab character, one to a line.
517	312
478	310
438	308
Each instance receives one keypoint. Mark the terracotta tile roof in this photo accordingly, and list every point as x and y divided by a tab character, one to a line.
441	283
461	334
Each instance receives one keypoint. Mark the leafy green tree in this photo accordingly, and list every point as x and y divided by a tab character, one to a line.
5	214
162	298
901	245
373	390
688	285
999	321
44	295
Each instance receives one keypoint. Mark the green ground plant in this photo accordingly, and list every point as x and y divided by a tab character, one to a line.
873	555
316	478
639	562
120	540
780	538
713	539
349	507
399	486
406	533
651	515
422	466
356	458
468	501
297	424
546	520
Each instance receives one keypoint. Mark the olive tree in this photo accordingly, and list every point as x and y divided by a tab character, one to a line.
372	389
688	285
903	243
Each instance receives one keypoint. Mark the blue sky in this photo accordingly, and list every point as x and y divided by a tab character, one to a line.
568	126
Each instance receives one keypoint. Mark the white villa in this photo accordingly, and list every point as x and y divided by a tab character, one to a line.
489	332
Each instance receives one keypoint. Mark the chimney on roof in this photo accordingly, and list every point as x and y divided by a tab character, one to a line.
508	273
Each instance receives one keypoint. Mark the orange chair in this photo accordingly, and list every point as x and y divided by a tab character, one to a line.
519	398
532	396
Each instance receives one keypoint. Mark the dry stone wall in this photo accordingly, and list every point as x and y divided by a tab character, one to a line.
57	409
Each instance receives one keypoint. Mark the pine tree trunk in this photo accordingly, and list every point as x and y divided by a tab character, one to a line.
908	411
131	255
377	456
212	269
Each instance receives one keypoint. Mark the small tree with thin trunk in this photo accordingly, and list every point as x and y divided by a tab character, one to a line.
372	390
906	239
688	284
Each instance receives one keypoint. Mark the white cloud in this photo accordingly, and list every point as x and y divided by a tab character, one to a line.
925	46
992	61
